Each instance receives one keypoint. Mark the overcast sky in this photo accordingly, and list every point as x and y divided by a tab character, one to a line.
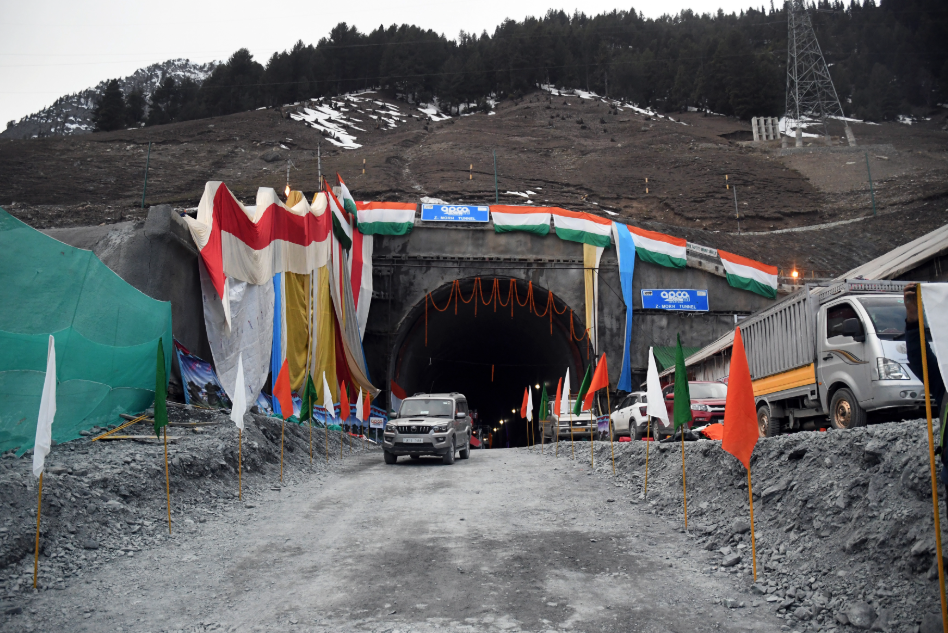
50	48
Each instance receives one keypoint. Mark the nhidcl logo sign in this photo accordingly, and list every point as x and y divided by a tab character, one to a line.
680	296
455	210
454	213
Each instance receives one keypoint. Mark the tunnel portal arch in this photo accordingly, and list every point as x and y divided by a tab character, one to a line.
521	334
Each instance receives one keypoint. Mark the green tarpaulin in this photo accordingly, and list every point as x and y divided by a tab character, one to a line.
106	335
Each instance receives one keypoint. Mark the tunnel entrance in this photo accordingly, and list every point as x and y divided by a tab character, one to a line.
520	335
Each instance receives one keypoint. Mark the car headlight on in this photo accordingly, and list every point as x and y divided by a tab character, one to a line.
890	370
699	407
440	428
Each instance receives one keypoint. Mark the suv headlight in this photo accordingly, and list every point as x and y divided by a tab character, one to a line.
389	428
440	428
699	407
890	370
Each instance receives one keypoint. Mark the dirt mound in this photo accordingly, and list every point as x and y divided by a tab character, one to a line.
107	499
843	520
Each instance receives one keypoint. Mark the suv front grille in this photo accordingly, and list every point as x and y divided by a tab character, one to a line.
413	428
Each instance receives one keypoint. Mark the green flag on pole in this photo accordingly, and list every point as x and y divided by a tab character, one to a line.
544	405
309	399
583	388
161	391
682	412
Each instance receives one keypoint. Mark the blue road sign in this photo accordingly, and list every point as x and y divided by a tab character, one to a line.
454	213
682	300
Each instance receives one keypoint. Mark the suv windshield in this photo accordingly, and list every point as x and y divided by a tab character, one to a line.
887	315
707	390
428	407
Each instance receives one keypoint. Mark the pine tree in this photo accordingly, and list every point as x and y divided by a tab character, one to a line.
109	114
134	108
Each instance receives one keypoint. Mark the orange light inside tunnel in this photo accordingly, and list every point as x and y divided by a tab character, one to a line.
794	274
286	192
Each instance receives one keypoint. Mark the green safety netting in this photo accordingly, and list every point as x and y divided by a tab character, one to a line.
106	335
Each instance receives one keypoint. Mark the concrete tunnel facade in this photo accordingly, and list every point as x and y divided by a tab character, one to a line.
158	257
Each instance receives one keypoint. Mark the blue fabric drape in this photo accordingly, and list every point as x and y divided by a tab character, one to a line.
276	357
625	248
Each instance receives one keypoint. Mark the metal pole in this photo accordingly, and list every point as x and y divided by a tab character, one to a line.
319	163
872	192
496	192
148	160
736	212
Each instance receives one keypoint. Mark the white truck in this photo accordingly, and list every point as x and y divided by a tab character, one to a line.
836	351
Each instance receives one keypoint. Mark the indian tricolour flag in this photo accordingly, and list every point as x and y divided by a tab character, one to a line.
748	274
385	218
581	227
534	220
658	248
340	223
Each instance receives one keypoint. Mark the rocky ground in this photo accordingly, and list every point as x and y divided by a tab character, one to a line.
843	520
105	500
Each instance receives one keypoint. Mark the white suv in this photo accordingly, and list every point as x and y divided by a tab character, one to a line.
629	416
429	424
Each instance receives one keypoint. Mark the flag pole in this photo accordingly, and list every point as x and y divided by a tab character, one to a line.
282	430
310	437
684	483
609	414
240	466
39	509
648	441
572	445
931	457
750	497
326	428
164	431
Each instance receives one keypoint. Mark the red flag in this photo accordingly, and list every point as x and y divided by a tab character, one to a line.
344	409
559	395
367	409
740	412
600	380
523	407
282	392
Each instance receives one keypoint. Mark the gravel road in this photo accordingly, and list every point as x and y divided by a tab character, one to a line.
504	541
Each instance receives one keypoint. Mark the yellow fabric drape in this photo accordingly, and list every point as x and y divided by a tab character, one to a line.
297	327
325	333
591	255
294	199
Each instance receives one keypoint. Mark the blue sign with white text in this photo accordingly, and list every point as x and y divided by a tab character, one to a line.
454	213
682	300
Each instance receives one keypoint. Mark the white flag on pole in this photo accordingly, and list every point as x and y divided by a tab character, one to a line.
360	404
240	395
564	402
935	302
327	400
655	407
47	411
529	404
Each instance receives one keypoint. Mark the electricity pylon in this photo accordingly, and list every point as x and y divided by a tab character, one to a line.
810	90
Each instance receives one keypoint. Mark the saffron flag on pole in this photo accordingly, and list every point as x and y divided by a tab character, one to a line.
576	226
239	405
740	410
385	218
583	388
47	411
161	391
655	407
559	395
682	410
564	403
748	274
660	249
600	380
523	405
344	409
507	218
282	392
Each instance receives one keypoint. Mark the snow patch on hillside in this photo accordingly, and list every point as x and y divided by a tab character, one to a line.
337	117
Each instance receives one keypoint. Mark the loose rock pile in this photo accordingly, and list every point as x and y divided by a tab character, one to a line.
107	499
843	521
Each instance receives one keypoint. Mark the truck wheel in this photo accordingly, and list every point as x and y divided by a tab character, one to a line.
845	412
767	425
466	451
448	458
390	458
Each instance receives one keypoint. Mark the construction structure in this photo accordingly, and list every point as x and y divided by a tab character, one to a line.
810	90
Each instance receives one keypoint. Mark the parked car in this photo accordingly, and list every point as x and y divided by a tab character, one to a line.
707	403
583	425
629	416
429	424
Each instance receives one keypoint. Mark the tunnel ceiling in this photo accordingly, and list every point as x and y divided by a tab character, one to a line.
462	349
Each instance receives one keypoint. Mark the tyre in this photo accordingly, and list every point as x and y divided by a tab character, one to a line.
845	412
767	425
634	432
390	458
466	451
415	457
448	458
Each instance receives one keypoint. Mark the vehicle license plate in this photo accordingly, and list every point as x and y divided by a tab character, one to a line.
413	440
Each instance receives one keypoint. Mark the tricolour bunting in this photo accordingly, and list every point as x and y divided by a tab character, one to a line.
341	227
586	228
385	218
660	249
748	274
348	202
252	244
625	251
534	220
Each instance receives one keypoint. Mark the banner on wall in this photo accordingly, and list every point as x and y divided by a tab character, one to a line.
201	386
